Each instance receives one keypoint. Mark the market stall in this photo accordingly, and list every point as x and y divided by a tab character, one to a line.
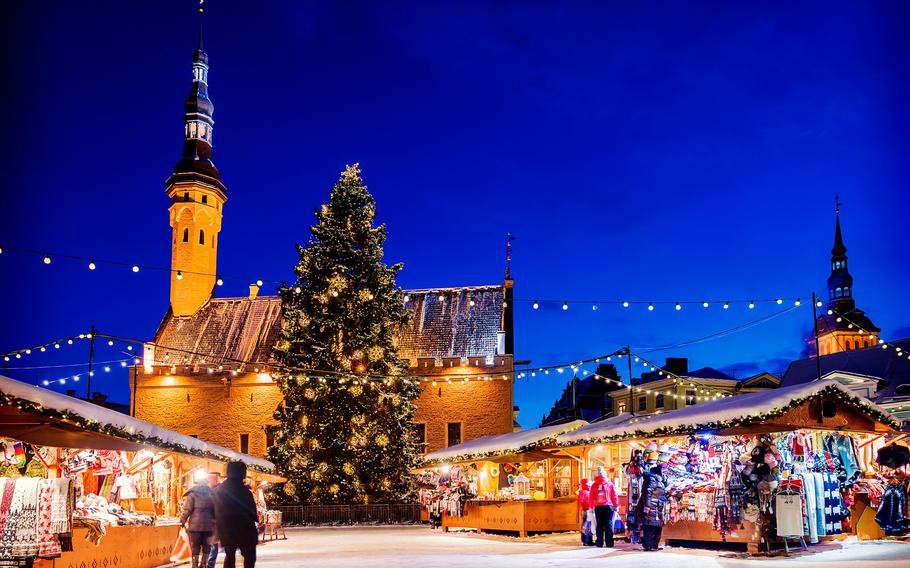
733	467
82	485
507	482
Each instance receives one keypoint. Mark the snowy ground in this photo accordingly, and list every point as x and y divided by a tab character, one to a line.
346	547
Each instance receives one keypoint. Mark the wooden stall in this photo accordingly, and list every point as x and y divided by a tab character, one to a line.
56	430
508	483
814	409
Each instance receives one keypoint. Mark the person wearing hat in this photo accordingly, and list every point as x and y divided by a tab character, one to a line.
584	506
605	502
650	508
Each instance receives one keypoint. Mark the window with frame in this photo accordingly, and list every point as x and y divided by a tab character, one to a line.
453	434
690	397
270	435
420	432
642	403
186	235
244	443
620	407
659	401
201	237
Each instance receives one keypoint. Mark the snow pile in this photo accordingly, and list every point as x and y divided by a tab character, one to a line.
84	410
502	444
744	407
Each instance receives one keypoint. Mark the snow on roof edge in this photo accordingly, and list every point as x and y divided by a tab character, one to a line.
116	424
704	416
501	444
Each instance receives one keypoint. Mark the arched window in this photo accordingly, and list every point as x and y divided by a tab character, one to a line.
846	291
186	235
186	196
848	344
838	292
205	198
201	237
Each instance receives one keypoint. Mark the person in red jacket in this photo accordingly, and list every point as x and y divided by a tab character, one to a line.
603	499
584	506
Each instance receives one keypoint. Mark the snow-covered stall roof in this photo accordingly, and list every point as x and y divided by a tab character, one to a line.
739	410
489	447
72	418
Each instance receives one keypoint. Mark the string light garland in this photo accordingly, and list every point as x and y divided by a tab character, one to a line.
442	294
43	347
897	349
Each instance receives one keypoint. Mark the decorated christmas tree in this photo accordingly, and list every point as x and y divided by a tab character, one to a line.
345	431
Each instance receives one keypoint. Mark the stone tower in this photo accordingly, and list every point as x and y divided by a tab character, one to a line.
843	327
197	197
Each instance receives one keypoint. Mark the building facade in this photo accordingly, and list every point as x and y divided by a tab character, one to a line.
655	392
206	372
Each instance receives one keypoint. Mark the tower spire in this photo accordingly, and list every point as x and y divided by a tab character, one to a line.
201	13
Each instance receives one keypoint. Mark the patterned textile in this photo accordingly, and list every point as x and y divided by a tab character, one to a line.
48	546
20	536
834	506
61	507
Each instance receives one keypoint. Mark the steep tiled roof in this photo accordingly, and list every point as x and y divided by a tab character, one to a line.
223	329
452	327
246	330
872	361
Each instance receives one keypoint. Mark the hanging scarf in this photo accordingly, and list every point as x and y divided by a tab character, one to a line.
20	537
48	546
61	505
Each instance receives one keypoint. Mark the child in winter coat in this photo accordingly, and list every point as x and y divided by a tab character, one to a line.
605	502
585	507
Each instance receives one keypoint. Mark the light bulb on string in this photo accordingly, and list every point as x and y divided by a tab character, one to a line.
565	305
650	307
704	304
594	307
179	275
471	303
726	305
47	259
91	265
219	281
779	301
535	305
625	304
259	283
818	303
751	304
678	306
135	268
797	302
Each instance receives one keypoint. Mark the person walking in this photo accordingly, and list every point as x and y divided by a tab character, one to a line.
584	507
199	519
214	480
651	508
604	501
235	517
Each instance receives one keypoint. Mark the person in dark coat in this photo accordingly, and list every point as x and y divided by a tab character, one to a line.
235	517
650	508
199	519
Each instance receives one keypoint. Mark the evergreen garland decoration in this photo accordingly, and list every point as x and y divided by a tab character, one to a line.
91	425
831	391
349	440
485	456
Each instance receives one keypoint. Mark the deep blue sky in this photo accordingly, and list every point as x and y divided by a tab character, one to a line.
651	151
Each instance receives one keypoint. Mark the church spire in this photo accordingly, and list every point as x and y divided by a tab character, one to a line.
196	161
840	283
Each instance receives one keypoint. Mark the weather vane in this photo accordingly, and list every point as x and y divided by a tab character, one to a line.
837	204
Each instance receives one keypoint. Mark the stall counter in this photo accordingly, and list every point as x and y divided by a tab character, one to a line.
523	517
133	546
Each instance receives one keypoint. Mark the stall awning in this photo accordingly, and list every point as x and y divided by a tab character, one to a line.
495	448
44	417
824	404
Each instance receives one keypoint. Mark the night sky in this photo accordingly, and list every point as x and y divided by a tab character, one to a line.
647	151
